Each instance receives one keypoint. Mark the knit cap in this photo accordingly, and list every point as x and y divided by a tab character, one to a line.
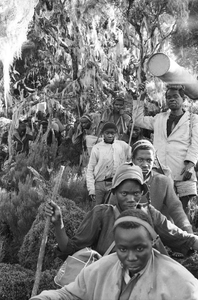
128	171
141	143
109	125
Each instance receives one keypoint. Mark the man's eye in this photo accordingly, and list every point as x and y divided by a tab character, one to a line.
140	159
122	249
140	249
124	193
137	194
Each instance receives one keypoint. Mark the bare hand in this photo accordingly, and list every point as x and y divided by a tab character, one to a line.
92	197
53	211
142	91
141	87
187	170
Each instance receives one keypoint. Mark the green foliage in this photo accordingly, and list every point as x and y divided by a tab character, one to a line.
16	282
184	40
83	52
17	212
28	253
74	187
191	264
41	157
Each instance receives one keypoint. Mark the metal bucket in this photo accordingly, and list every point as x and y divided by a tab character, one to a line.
169	71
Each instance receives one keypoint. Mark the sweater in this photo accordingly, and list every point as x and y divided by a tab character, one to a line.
103	156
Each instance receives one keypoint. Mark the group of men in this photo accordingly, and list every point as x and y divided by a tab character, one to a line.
140	199
175	145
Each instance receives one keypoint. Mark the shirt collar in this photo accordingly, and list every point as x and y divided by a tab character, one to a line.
128	278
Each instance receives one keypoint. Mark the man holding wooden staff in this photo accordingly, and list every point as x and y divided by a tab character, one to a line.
175	140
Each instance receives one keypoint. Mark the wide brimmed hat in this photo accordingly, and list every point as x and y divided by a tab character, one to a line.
128	171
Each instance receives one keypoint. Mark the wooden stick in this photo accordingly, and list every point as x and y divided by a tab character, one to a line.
133	118
44	238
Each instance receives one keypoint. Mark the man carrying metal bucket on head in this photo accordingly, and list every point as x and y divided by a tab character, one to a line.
175	140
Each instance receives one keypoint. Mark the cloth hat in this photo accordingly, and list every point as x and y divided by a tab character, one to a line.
86	116
109	125
175	86
141	143
128	171
119	98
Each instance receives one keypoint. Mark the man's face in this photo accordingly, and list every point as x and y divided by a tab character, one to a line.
22	129
134	248
128	194
109	135
145	160
85	123
136	132
118	106
174	100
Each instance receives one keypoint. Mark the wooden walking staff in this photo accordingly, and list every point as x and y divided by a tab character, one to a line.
44	238
138	102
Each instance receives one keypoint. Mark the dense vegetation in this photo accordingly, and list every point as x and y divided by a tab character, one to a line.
78	54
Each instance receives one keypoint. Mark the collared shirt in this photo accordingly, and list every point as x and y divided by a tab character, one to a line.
129	282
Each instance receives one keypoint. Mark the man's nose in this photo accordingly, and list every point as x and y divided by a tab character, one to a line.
130	198
131	256
144	163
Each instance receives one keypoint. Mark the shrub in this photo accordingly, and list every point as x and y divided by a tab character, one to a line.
29	250
73	187
16	282
191	263
17	213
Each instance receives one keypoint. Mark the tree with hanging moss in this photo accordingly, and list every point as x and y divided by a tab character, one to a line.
184	41
84	52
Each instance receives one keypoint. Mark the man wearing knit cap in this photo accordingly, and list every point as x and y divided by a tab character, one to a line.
117	116
161	191
105	157
96	229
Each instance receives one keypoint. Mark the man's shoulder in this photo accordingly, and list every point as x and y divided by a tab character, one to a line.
168	265
98	145
126	117
163	114
103	209
122	143
195	118
160	177
104	263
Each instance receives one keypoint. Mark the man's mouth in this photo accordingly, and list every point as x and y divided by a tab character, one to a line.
132	205
133	267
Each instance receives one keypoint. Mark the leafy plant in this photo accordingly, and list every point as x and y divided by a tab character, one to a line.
29	250
17	213
16	282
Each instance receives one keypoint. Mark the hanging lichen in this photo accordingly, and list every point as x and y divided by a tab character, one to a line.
15	15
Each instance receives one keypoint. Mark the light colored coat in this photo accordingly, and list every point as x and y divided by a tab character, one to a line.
162	279
180	145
